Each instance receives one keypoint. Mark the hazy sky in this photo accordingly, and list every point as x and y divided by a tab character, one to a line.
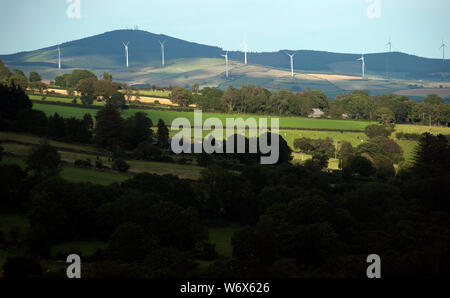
415	26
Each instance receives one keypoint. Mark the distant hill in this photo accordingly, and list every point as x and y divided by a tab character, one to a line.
188	62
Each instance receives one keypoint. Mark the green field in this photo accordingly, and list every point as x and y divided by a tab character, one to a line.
420	129
61	99
157	93
75	174
169	116
221	237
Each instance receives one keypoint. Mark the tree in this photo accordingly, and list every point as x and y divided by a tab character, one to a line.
345	150
358	165
147	151
87	99
433	99
432	155
87	87
44	160
19	81
35	77
5	74
137	129
231	98
105	88
389	147
118	99
181	96
321	160
384	167
444	114
377	130
72	80
13	100
195	88
38	86
120	165
108	129
88	121
32	121
56	127
107	76
162	134
384	115
128	243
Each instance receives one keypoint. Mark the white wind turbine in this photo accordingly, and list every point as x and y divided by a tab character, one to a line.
162	52
387	59
59	58
245	51
226	63
443	46
363	64
292	64
126	50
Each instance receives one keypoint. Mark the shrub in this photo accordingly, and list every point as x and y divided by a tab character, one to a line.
83	163
147	151
377	130
120	165
358	165
99	164
384	167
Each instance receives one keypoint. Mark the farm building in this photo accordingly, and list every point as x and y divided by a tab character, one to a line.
316	113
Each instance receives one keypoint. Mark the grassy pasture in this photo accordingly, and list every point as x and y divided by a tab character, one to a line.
158	93
420	129
169	116
75	174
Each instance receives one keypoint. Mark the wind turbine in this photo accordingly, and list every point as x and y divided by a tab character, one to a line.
126	50
245	51
387	59
443	46
162	52
363	64
226	62
59	58
292	64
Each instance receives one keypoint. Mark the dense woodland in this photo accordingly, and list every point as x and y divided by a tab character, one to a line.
298	220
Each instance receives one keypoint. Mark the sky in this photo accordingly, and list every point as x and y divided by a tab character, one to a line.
347	26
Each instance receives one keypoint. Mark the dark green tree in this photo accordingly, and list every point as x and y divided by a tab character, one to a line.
162	134
35	77
108	128
44	160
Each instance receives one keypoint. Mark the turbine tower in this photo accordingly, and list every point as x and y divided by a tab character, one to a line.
59	58
443	46
387	58
126	51
292	64
245	51
162	52
363	64
226	63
